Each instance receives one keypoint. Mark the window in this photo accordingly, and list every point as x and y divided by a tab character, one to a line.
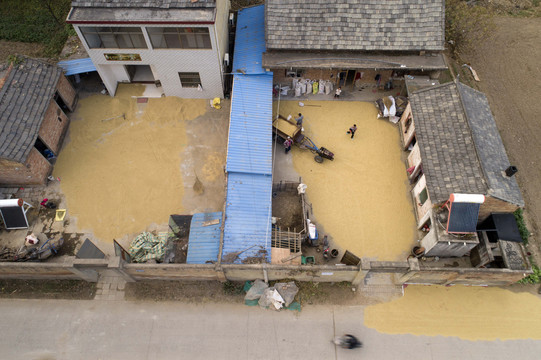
179	38
114	37
189	79
423	197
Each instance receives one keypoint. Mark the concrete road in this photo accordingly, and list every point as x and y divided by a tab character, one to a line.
43	329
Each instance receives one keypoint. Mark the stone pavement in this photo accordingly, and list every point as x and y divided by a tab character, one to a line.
110	287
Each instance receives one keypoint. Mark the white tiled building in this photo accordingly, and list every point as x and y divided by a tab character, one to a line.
179	45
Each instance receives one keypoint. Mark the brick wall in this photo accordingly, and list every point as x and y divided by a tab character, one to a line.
493	205
33	172
53	127
67	92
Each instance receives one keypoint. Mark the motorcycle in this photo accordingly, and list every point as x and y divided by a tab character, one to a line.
347	342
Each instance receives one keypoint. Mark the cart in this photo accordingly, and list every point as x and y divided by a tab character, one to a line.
285	128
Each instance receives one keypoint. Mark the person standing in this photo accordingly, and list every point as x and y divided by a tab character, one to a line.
338	92
299	119
288	144
352	130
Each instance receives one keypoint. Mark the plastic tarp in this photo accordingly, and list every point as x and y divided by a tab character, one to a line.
147	247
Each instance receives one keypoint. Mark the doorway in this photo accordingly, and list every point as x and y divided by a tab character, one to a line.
140	74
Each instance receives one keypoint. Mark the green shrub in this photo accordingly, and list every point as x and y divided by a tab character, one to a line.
524	232
36	21
465	25
534	278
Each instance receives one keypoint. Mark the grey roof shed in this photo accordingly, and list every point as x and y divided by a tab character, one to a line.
461	148
367	25
24	99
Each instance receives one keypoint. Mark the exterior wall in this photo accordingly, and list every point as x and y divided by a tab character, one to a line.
414	158
368	75
33	172
407	132
54	126
493	205
422	210
165	65
171	271
222	29
36	270
410	272
67	92
466	276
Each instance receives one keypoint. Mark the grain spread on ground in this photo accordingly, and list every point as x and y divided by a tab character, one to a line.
471	313
121	166
361	199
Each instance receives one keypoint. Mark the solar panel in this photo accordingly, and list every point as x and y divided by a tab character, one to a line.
463	217
14	217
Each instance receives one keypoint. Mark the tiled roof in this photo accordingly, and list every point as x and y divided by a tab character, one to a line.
489	146
24	98
384	25
161	4
450	161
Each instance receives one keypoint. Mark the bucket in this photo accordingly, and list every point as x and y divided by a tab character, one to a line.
334	253
418	251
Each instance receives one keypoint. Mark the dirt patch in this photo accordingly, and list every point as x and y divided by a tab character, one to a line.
47	289
19	48
508	66
213	291
287	207
186	291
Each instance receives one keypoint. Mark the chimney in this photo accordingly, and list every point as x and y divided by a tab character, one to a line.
511	170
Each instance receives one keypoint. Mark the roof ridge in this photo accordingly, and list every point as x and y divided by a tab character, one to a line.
435	87
468	121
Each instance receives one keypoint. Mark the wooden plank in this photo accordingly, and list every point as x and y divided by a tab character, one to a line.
211	222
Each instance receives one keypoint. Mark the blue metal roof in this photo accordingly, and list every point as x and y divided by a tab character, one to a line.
204	240
77	66
249	147
250	40
248	216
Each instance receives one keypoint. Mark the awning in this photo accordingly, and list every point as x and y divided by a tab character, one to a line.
77	66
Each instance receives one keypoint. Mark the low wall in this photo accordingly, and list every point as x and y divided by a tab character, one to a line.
405	272
488	277
70	268
172	272
316	273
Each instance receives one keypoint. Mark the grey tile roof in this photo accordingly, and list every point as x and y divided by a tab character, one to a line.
450	161
489	145
161	4
384	25
24	98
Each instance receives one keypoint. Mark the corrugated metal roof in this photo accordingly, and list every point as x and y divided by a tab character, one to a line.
250	40
204	241
248	219
77	66
250	128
